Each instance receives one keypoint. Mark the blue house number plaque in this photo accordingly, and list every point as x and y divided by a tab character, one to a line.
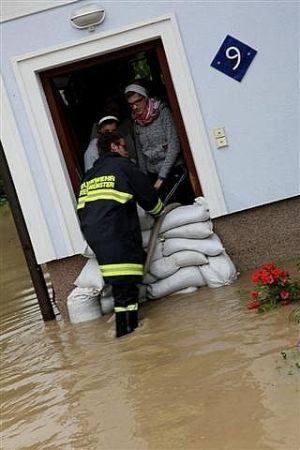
233	58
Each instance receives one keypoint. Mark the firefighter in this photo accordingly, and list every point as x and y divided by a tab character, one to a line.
108	216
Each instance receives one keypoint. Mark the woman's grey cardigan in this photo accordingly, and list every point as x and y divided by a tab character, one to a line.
157	144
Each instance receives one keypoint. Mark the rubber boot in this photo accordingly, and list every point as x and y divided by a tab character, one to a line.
121	324
133	320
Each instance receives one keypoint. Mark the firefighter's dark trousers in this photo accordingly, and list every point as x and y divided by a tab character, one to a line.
126	307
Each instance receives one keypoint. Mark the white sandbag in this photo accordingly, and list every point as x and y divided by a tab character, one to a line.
158	251
107	305
107	300
197	230
142	293
146	220
146	236
90	276
188	290
83	304
149	278
210	246
201	201
183	278
219	271
164	267
189	258
184	215
88	252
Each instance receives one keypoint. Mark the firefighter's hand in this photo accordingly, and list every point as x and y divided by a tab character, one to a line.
158	183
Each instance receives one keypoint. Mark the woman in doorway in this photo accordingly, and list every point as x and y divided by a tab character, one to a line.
107	124
157	145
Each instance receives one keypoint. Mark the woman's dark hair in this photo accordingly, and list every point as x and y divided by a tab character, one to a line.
108	138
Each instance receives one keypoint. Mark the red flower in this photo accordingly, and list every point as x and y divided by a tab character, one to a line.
284	277
273	288
276	273
255	277
284	274
266	278
253	305
284	295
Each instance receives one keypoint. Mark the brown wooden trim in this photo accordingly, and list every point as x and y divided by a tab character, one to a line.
103	58
172	98
67	141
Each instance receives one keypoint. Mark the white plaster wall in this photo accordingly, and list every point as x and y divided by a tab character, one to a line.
260	114
11	9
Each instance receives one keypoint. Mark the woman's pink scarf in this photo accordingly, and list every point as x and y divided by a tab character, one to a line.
150	113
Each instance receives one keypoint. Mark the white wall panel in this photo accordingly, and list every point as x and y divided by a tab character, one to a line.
12	9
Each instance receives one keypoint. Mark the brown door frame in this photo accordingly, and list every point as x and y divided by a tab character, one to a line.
174	105
68	142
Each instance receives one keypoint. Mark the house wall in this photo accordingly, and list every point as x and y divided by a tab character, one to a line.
260	114
18	8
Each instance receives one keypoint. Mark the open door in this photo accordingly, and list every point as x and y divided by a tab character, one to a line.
76	93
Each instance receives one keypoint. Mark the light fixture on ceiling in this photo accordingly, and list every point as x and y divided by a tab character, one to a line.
88	16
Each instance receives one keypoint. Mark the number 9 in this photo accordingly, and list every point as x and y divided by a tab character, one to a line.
236	54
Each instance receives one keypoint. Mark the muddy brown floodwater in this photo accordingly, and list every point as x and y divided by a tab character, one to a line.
201	373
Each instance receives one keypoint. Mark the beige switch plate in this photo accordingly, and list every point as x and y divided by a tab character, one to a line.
222	142
219	132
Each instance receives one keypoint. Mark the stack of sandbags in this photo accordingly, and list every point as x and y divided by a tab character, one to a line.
187	255
187	252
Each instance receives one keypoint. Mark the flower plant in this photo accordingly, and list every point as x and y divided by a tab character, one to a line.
274	288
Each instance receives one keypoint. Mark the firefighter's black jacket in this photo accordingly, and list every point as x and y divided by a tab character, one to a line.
108	215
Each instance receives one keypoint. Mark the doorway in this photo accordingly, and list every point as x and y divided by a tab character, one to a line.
76	94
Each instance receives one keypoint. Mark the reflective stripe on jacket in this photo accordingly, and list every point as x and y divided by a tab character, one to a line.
108	215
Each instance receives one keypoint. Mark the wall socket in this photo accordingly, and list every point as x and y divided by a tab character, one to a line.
220	137
221	142
219	132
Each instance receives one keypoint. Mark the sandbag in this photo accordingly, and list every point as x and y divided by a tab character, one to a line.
145	237
106	300
210	246
164	267
219	271
149	278
198	212
142	293
83	304
158	251
90	276
146	220
197	230
88	252
188	290
183	278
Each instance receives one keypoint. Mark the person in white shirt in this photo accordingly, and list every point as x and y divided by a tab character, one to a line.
106	124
